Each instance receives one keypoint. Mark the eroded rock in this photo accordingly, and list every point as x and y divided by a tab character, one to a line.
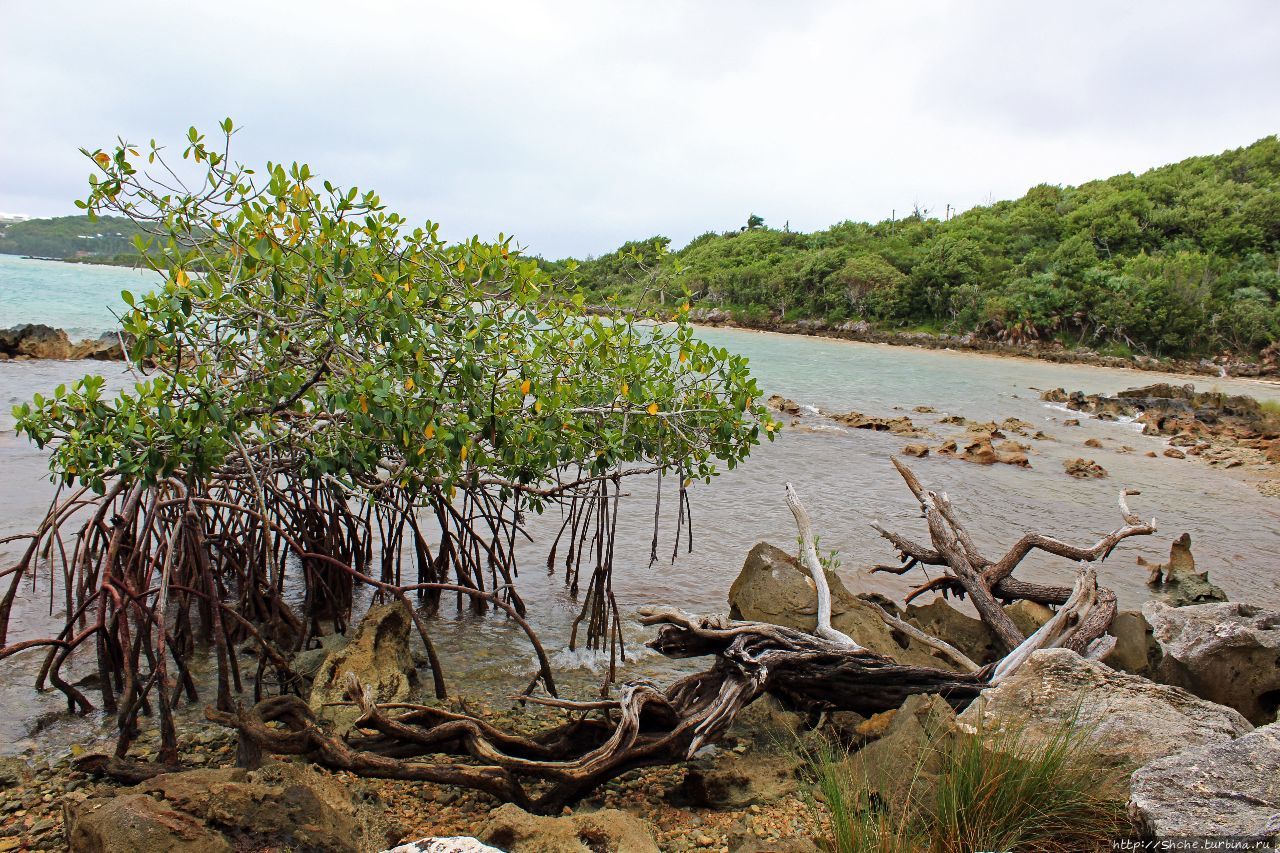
915	449
772	587
379	656
605	831
1131	721
1229	789
1178	579
901	425
1228	653
1084	469
781	404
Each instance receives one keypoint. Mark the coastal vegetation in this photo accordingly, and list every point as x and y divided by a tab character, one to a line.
98	239
1179	260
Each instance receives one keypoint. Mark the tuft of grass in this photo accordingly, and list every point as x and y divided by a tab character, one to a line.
991	791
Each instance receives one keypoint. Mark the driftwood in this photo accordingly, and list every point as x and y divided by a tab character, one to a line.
648	725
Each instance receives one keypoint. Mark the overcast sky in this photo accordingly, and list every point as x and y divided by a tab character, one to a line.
577	126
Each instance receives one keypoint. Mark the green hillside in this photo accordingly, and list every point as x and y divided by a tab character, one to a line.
105	239
1179	260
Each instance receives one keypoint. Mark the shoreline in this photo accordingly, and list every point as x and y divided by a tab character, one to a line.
1236	370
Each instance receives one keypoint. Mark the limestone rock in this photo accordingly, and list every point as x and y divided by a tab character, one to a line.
105	348
1094	443
379	656
281	805
916	449
1178	578
1131	720
1218	790
773	588
1136	650
1083	469
732	781
901	425
781	404
905	759
1228	653
969	635
1174	453
456	844
514	830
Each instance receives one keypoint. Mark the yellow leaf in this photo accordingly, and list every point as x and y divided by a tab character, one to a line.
408	384
364	404
626	389
182	278
463	452
653	408
103	160
525	386
380	279
683	356
537	406
430	431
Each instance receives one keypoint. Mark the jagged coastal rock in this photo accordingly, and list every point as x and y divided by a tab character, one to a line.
38	341
380	658
1228	653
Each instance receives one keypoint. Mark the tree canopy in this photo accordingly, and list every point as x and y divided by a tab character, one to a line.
1180	260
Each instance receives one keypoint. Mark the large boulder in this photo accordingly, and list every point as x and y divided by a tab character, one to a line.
605	831
772	587
380	658
1227	789
1130	720
1136	650
35	340
1227	653
280	805
973	636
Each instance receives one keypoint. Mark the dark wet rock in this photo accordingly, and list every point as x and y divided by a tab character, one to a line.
1130	720
380	658
772	587
1174	410
514	830
1083	469
1177	580
35	340
901	425
1218	790
1228	653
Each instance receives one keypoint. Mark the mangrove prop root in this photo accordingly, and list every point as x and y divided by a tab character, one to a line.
645	725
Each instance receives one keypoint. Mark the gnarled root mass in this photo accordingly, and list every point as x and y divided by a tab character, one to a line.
647	725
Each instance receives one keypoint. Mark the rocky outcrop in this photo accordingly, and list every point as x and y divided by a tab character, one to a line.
211	811
1227	653
35	340
1084	469
1229	789
779	403
900	425
978	448
380	657
1130	721
772	587
1178	580
514	830
915	449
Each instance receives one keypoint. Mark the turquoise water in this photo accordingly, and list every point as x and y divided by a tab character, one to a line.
843	475
80	298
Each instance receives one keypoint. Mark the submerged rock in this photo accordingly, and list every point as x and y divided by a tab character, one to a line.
901	425
1178	579
1227	789
781	404
379	656
772	587
1227	653
516	831
1130	720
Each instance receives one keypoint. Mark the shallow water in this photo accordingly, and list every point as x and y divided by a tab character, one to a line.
844	477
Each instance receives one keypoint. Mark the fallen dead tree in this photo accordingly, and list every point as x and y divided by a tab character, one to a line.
649	725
